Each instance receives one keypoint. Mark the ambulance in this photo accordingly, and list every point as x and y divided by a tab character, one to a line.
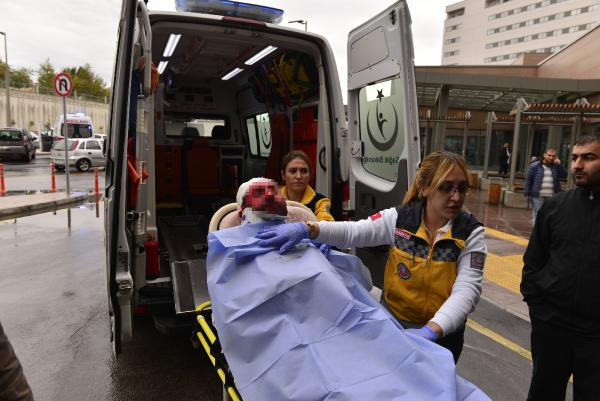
235	92
78	125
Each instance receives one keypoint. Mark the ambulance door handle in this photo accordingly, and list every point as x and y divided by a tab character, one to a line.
321	157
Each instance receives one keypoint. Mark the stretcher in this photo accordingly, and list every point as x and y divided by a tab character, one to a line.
205	335
304	326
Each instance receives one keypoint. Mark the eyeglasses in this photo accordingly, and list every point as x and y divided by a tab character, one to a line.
448	188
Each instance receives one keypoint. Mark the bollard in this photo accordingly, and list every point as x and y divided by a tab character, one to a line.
96	192
96	181
52	174
2	187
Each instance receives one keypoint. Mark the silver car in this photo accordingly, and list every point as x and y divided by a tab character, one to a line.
83	153
16	143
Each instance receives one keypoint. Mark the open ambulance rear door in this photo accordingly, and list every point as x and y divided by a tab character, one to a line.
382	118
133	28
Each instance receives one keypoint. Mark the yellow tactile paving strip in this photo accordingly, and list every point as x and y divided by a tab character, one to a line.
505	270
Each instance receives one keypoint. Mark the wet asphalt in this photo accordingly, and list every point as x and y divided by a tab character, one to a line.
53	306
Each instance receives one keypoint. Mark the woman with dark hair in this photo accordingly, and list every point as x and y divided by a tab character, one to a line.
434	271
296	173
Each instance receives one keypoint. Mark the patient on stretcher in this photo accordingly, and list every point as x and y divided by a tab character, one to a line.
303	326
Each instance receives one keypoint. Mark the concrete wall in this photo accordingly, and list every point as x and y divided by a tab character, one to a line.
40	109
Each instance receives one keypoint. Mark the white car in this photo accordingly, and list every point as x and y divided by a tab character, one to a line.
36	139
84	153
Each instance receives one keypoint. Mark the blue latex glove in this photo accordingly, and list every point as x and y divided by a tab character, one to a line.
324	248
426	332
284	236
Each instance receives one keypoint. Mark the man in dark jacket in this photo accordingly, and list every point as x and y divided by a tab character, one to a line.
504	159
561	281
13	385
543	180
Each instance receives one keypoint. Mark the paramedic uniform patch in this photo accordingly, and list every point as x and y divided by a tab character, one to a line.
477	260
403	271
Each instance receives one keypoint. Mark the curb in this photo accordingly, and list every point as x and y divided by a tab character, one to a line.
29	209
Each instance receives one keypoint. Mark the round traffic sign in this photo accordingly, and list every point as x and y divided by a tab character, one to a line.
63	84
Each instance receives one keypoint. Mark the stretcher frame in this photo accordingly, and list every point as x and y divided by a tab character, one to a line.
205	335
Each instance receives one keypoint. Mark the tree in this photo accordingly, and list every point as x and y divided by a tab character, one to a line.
86	82
20	78
46	74
2	68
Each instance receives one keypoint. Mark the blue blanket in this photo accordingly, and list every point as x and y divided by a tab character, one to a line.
301	326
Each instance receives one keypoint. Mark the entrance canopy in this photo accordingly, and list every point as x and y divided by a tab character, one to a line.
493	89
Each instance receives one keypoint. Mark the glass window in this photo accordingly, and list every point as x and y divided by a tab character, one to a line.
259	134
187	125
77	130
381	114
11	136
93	145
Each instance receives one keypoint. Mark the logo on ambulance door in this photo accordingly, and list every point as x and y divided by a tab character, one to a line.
385	136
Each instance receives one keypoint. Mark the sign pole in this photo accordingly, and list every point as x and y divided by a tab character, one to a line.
63	85
66	158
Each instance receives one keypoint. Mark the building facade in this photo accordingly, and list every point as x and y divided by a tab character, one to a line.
492	32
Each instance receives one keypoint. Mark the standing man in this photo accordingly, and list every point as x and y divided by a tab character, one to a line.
561	278
504	160
543	180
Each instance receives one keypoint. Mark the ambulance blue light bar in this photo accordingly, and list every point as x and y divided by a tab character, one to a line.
231	9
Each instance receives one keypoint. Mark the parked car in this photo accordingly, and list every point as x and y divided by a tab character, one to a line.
83	153
16	143
36	139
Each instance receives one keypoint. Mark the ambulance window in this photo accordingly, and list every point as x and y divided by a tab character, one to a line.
259	134
381	113
179	125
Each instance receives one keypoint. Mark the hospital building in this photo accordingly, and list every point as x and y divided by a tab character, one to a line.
492	32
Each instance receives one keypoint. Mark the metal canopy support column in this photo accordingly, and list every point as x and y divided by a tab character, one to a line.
440	109
529	146
575	133
465	135
515	146
427	140
491	117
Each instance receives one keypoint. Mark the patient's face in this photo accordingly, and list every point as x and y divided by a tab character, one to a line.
265	197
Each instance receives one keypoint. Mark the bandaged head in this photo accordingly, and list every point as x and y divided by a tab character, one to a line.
260	200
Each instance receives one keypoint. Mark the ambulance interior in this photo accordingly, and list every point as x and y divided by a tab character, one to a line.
231	102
